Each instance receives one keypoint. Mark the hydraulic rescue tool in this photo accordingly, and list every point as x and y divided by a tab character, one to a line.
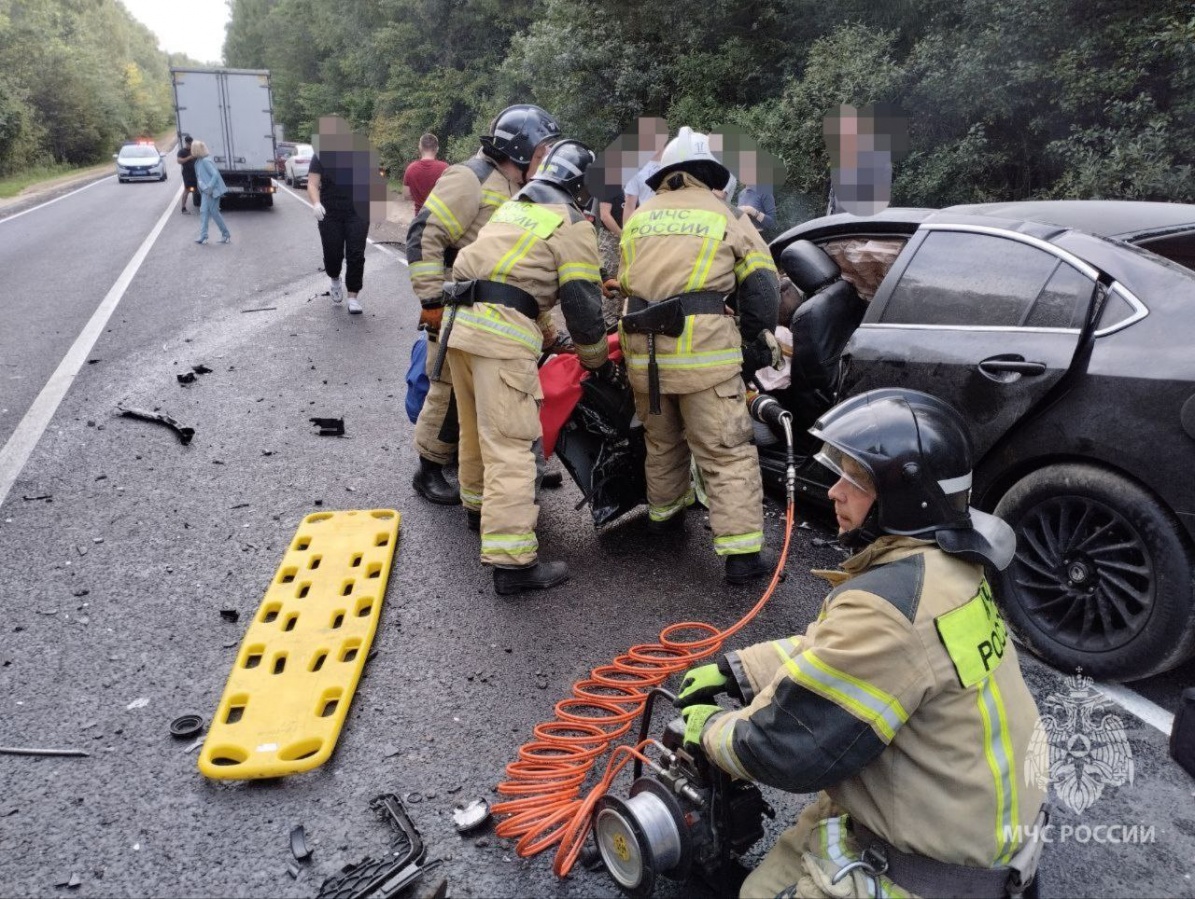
685	817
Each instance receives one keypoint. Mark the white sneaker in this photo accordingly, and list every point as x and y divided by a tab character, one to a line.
337	291
354	306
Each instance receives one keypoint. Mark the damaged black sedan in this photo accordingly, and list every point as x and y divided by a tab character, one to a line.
1062	331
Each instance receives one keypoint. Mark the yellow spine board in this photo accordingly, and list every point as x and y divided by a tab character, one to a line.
290	688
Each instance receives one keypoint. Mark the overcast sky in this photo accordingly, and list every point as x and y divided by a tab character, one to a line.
194	27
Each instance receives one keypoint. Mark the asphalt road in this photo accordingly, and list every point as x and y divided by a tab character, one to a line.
120	548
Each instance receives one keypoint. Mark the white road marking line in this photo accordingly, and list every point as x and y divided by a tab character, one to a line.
17	215
1136	704
1129	700
28	432
384	249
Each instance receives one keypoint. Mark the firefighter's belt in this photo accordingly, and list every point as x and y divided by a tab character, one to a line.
925	876
466	293
667	317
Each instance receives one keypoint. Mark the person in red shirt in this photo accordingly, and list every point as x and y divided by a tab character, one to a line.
422	174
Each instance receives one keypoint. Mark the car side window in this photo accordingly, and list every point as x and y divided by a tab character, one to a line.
1116	310
1063	302
967	279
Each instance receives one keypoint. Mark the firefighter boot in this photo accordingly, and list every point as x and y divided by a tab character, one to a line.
748	567
430	483
673	525
539	576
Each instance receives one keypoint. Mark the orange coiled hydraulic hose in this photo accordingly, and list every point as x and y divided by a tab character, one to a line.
546	779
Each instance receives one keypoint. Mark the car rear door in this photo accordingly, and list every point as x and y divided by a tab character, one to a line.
987	319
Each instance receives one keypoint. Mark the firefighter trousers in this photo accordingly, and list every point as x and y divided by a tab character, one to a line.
713	428
437	430
498	400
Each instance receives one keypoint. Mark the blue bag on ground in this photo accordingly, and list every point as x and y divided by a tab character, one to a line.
417	380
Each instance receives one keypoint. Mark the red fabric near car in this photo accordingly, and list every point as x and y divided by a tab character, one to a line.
560	377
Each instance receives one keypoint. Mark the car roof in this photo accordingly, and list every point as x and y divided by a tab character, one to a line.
1127	220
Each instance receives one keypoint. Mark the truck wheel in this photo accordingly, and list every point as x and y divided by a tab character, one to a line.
1101	579
267	200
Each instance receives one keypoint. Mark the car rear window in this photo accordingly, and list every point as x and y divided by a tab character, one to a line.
1178	248
981	280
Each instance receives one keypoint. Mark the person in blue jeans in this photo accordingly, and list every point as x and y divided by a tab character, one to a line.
211	188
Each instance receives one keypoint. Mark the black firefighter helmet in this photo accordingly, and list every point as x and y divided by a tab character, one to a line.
564	167
917	451
517	131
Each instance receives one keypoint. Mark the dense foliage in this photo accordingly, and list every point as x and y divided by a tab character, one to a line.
77	77
1005	99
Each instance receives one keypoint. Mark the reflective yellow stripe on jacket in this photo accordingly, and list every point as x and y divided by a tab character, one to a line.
681	357
998	752
487	317
440	210
865	701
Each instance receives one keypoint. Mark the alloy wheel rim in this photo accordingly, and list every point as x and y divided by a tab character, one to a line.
1083	573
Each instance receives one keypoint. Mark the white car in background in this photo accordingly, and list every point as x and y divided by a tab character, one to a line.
140	161
298	164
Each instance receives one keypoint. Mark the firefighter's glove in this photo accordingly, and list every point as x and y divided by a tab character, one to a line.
763	352
702	684
610	372
611	288
430	318
319	212
695	717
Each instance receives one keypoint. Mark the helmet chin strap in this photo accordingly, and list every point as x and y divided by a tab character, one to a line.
865	534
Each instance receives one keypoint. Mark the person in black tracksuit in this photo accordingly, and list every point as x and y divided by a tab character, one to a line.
338	187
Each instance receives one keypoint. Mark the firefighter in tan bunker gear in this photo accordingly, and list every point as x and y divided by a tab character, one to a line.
686	255
903	703
536	250
464	198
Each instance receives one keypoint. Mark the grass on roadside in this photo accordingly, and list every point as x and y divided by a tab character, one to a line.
14	184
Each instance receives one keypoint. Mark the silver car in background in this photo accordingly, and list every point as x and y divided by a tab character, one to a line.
140	161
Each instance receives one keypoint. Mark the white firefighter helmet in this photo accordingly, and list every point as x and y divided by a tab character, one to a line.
690	152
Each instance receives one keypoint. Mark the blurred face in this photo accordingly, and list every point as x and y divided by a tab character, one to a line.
853	496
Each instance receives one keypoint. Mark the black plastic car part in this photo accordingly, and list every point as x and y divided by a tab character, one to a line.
186	726
184	433
329	427
603	448
388	876
298	843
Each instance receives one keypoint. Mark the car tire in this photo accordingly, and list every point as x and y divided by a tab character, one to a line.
1101	580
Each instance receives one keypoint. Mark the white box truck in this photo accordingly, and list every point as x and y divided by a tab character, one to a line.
232	111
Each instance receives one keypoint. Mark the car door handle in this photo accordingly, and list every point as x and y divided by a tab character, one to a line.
1011	365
